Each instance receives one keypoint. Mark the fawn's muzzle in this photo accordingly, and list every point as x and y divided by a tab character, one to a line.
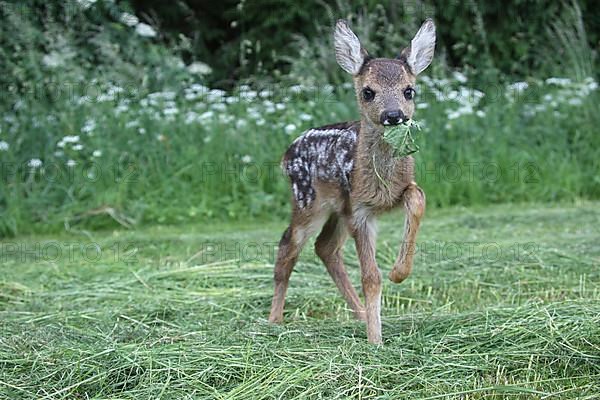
392	117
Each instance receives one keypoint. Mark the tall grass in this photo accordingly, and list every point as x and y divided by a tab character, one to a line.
219	158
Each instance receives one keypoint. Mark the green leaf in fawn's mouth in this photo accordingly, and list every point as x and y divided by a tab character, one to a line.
401	139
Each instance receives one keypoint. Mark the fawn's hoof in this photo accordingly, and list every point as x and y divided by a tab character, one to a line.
396	276
376	340
275	319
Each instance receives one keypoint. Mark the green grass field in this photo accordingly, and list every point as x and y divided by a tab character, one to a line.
504	302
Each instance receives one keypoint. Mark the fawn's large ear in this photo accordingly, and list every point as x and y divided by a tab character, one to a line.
348	52
420	54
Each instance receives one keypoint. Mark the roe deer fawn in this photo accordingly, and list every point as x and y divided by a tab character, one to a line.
343	175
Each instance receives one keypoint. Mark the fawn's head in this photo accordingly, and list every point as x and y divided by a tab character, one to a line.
385	87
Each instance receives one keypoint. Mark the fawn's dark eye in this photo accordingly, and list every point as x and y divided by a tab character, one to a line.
368	94
409	93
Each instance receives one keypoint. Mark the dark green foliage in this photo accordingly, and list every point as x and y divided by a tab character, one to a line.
53	51
489	38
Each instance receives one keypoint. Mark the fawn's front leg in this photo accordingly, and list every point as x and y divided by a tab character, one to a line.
414	205
363	231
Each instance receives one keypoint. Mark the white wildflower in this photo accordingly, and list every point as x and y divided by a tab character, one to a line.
216	95
575	101
465	109
67	139
105	97
246	159
477	94
253	113
132	124
52	60
190	96
199	87
71	163
190	117
219	107
207	115
35	163
591	84
226	119
145	30
71	139
166	95
459	76
248	95
296	89
88	127
558	81
85	4
199	68
97	153
290	128
452	114
129	19
78	147
113	89
169	104
305	117
3	146
170	111
518	86
453	95
121	108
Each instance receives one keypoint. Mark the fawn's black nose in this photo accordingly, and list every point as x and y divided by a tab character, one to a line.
392	117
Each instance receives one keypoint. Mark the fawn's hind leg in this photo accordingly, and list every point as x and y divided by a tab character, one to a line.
329	248
290	245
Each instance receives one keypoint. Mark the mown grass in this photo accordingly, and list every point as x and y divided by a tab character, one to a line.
503	303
